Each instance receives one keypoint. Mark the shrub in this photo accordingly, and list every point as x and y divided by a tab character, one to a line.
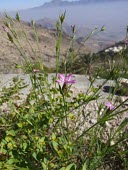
51	128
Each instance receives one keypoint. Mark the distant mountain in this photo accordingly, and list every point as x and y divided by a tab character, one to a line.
58	3
70	3
49	23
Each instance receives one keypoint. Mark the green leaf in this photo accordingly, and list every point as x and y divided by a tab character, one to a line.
20	124
45	164
8	138
71	167
53	136
63	168
84	166
34	155
55	145
12	161
25	145
11	132
29	122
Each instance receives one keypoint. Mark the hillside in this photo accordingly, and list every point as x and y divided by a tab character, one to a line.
9	55
95	44
50	24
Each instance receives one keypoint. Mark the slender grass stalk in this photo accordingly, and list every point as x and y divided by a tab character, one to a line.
59	40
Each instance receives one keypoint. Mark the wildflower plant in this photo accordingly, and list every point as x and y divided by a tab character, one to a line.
65	80
50	129
109	105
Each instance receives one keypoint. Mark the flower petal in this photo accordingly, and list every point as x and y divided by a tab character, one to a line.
108	104
71	82
5	28
59	81
61	77
68	77
111	107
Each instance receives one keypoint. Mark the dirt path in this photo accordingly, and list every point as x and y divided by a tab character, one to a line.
82	82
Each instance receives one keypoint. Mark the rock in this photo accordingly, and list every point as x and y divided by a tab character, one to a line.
93	121
123	80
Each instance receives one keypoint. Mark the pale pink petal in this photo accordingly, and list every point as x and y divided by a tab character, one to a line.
62	78
71	82
66	80
68	77
111	107
59	81
5	28
108	104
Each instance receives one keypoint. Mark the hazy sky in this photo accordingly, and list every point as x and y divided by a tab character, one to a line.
20	4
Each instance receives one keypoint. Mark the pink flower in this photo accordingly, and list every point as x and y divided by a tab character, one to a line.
65	80
5	28
109	105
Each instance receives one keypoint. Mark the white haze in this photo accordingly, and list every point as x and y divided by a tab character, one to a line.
113	15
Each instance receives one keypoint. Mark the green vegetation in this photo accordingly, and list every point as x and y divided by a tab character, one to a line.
49	130
102	62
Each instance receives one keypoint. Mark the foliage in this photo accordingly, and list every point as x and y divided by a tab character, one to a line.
49	129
